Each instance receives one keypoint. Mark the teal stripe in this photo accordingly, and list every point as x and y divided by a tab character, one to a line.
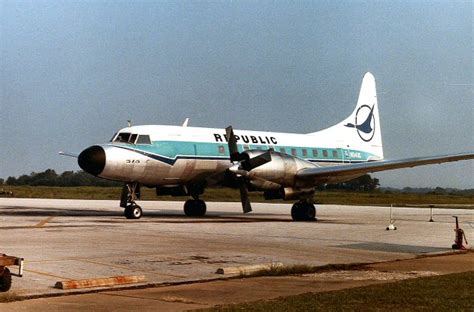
172	149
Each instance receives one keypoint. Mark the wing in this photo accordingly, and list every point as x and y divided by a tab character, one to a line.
332	174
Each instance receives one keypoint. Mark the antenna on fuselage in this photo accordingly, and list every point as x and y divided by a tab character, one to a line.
129	122
185	123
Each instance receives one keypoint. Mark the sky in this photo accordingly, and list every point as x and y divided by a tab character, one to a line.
73	72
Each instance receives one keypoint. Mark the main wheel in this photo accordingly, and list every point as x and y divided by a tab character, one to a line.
303	212
200	208
296	212
133	212
5	280
195	208
309	212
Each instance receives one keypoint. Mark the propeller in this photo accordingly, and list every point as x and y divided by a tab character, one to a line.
242	165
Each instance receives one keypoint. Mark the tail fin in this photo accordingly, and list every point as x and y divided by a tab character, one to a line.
361	130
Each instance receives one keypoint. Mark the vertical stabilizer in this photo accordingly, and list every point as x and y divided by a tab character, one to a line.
361	130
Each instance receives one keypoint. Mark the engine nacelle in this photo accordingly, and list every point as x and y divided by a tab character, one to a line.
280	170
288	193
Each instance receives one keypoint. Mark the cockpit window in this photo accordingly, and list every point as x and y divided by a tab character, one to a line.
132	139
143	139
123	137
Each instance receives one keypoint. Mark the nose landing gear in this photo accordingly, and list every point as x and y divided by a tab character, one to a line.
130	193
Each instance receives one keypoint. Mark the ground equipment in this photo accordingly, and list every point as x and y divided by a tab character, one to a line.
6	274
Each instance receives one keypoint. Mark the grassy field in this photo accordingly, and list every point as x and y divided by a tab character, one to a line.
451	292
324	197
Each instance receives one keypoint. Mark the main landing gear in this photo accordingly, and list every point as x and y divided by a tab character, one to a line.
303	211
195	207
130	193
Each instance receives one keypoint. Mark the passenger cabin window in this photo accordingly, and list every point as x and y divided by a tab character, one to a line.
143	139
325	153
123	137
246	147
334	154
315	153
221	149
293	151
305	152
282	150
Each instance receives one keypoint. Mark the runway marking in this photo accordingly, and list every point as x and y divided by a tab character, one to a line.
46	274
43	222
128	268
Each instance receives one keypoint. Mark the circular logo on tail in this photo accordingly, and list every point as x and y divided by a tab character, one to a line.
364	122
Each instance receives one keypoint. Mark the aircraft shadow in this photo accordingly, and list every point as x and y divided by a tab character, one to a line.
151	216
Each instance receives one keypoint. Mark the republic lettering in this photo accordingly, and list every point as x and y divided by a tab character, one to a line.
217	137
247	139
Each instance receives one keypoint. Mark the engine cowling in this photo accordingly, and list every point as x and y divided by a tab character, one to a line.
288	193
281	170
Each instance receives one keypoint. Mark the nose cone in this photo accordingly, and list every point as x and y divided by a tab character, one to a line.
92	160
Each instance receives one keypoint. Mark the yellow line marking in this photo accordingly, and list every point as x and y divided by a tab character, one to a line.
46	274
128	268
42	223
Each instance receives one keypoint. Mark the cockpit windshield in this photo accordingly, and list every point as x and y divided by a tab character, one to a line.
123	137
132	138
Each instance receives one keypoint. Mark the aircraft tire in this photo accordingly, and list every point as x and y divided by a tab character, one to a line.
303	212
201	208
133	212
296	214
309	212
195	208
5	280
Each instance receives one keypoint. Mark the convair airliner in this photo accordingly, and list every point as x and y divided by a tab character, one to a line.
184	161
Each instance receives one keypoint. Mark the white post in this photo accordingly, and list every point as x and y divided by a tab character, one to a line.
391	226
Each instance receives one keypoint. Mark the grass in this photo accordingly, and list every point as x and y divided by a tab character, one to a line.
323	197
452	292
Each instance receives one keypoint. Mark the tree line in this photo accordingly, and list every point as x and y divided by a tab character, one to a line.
49	177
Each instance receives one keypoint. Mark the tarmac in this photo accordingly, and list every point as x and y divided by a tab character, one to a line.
63	240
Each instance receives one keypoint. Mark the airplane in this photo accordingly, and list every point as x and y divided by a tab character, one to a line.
184	161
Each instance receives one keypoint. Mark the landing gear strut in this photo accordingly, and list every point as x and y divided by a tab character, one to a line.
130	193
303	211
195	208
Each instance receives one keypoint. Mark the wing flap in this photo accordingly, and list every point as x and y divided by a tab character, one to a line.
352	170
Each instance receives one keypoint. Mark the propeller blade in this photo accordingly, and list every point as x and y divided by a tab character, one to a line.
232	143
244	197
257	161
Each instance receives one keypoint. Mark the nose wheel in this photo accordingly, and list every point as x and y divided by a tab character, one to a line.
303	211
131	192
133	211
